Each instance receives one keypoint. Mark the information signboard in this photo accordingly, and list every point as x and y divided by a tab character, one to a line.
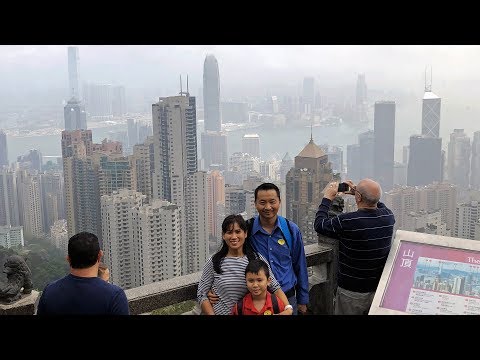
429	274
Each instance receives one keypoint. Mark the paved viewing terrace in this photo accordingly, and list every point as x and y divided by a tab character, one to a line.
145	299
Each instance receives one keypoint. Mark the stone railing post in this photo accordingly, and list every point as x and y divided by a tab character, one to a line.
323	293
24	306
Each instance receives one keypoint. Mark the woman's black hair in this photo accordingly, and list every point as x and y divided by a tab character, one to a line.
227	224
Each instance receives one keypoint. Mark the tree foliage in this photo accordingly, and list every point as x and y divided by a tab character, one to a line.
46	262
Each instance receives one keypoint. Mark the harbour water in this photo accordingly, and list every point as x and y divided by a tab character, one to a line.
273	141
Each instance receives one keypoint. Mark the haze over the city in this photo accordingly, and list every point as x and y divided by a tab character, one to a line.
152	147
157	66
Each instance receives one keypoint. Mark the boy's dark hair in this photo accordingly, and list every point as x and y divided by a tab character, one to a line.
266	187
254	266
83	249
229	222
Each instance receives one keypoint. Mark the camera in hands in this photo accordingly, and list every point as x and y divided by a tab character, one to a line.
343	187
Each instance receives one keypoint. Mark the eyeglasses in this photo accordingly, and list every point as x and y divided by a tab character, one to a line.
355	190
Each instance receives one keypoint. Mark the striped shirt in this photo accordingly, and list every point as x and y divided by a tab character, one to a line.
230	285
365	238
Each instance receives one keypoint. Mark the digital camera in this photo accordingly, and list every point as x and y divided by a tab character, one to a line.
343	187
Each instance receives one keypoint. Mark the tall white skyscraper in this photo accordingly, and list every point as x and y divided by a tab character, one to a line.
175	176
157	238
175	145
32	206
117	235
73	72
195	248
9	211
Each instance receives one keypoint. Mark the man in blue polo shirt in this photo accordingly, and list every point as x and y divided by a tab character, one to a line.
289	265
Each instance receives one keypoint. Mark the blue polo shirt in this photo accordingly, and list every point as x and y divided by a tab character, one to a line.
289	267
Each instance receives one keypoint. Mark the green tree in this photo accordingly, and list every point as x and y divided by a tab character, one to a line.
46	262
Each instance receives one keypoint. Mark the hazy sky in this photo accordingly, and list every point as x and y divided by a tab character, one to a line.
386	66
252	70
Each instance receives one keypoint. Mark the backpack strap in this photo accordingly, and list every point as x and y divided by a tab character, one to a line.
250	226
239	306
286	230
276	309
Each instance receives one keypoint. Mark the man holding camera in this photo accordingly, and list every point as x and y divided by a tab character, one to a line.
365	238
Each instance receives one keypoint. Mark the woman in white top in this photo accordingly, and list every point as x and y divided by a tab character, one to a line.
224	272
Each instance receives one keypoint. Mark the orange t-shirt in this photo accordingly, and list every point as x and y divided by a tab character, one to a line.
249	309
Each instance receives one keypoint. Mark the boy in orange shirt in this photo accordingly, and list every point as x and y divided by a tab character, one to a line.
259	301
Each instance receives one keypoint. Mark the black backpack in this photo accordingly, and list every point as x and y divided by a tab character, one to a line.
276	309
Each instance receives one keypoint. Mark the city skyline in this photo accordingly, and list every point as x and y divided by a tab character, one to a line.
164	138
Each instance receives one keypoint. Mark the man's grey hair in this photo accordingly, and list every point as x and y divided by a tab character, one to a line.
370	198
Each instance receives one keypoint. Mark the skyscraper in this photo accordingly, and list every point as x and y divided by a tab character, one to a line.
9	211
475	167
459	150
251	144
430	113
366	142
354	161
361	99
3	149
98	99
73	73
33	160
308	95
304	188
143	162
425	160
90	170
74	115
176	178
175	145
211	94
466	215
285	166
121	251
214	149
32	206
119	105
384	143
216	196
132	131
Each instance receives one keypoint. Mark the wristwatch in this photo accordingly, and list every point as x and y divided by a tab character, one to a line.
288	307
